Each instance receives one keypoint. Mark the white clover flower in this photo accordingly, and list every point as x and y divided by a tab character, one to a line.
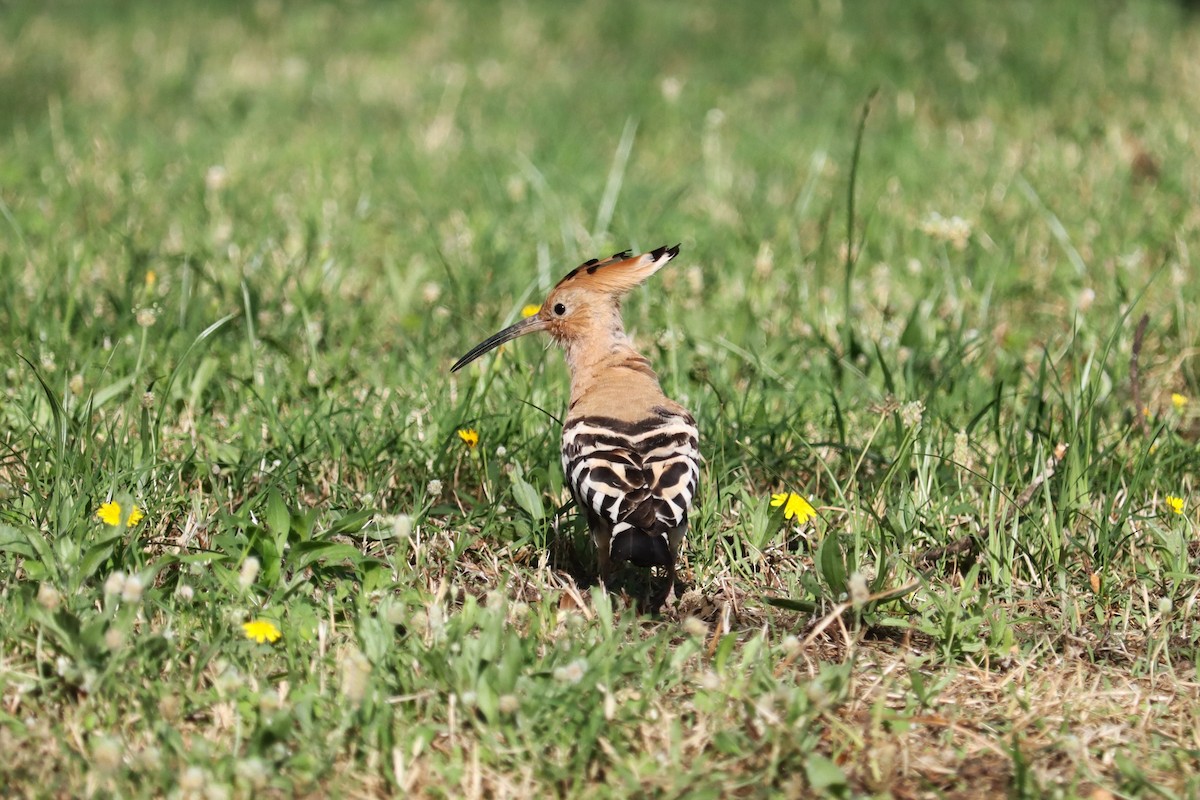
402	526
858	588
115	584
433	488
764	260
911	413
355	671
962	449
131	592
572	673
215	178
394	614
955	230
193	779
106	753
249	572
252	771
671	87
48	597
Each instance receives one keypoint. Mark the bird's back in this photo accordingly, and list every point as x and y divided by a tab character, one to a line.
631	457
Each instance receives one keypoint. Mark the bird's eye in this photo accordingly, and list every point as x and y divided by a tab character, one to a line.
559	309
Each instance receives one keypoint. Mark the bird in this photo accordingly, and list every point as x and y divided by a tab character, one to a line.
630	454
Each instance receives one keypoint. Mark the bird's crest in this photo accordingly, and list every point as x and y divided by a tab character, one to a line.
618	273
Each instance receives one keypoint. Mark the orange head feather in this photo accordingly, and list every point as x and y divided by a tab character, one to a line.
586	302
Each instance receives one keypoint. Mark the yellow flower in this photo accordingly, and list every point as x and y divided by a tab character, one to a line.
1179	401
1175	504
151	278
110	514
794	506
470	437
530	310
261	630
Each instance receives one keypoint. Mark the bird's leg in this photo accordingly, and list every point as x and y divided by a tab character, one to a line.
674	539
601	538
669	597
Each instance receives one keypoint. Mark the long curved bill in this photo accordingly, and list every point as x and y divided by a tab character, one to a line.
527	325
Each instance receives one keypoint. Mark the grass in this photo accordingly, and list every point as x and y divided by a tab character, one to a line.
242	245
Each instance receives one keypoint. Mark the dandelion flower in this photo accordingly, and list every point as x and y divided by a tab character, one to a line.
261	630
469	436
530	310
1178	400
794	506
110	514
1175	504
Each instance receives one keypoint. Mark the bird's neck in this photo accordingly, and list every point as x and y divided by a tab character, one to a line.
604	365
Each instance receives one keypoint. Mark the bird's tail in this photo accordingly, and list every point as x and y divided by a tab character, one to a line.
638	547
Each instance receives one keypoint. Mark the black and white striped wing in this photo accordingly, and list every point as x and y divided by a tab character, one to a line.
639	475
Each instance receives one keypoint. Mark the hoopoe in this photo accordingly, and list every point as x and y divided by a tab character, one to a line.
630	454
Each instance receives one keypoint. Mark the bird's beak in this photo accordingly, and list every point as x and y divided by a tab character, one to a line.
527	325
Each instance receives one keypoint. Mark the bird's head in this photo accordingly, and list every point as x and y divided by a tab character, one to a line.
587	296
